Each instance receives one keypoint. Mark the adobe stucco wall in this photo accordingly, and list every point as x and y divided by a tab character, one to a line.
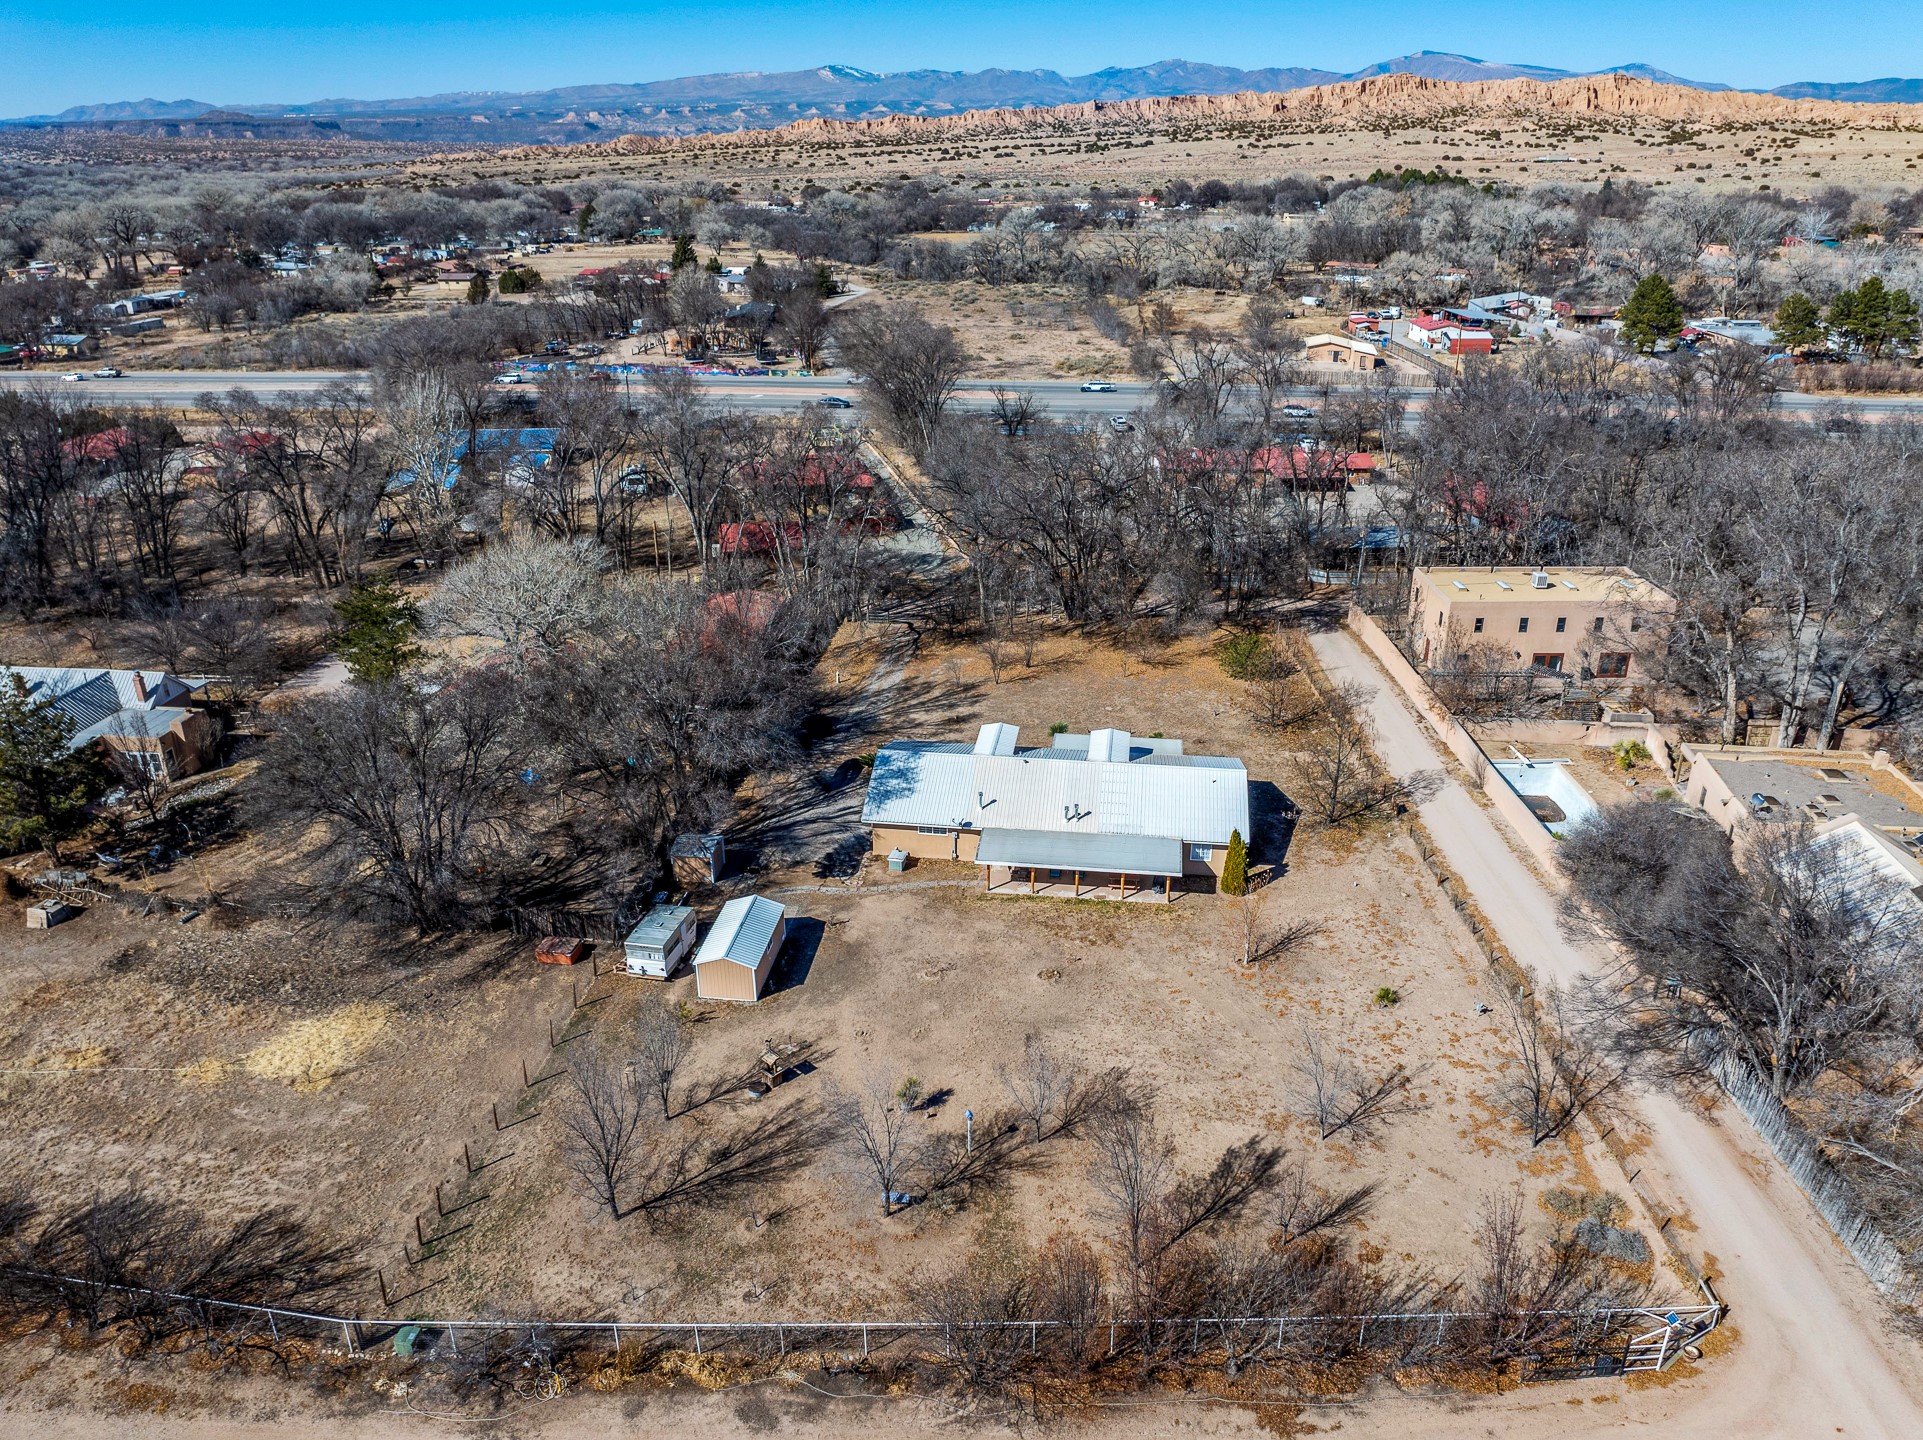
1461	743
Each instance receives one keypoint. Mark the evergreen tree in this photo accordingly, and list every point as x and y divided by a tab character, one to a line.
477	290
825	284
1872	316
1652	314
1799	325
683	252
584	218
44	783
1235	869
375	629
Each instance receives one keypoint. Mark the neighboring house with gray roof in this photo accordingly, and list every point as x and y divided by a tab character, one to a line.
1085	814
141	713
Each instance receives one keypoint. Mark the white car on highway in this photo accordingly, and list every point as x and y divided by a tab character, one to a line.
75	375
1098	387
107	372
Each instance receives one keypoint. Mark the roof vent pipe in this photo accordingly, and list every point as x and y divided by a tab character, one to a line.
1540	580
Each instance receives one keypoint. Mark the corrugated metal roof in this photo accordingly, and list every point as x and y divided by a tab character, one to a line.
1198	798
102	701
658	926
1126	854
742	930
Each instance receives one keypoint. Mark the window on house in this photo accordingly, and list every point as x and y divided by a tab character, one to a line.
1562	623
1438	617
1635	623
1547	662
1201	852
1613	666
1522	626
1478	624
1597	628
931	829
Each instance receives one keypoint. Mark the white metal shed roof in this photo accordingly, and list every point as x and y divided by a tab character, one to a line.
742	931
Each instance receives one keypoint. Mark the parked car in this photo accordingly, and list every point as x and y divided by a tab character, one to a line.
837	402
107	372
1098	387
1391	312
1121	422
75	375
512	377
1298	412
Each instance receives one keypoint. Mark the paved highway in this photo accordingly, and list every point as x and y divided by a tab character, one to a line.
771	395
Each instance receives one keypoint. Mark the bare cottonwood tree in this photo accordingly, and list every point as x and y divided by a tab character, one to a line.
1262	941
909	364
1338	1095
530	593
661	1044
1040	1086
1341	780
874	1131
604	1130
1560	1072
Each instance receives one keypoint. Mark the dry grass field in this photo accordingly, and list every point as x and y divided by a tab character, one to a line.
343	1070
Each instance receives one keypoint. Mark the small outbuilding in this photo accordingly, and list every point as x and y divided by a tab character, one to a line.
698	859
734	962
657	946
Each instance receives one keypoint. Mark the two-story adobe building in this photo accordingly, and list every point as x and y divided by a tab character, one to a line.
1596	622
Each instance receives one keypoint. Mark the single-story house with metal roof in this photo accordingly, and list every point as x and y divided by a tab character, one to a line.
144	713
738	955
1107	813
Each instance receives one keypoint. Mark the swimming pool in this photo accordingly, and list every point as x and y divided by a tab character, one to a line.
1548	789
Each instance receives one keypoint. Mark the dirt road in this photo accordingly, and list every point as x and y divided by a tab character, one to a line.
1815	1357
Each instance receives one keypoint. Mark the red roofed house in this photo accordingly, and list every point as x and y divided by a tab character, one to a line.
101	446
1447	337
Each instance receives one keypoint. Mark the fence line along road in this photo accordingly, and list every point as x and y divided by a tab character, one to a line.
1635	1338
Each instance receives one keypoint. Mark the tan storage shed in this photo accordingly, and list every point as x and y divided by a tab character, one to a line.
737	957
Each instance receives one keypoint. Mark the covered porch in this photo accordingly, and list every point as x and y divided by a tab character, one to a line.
1138	868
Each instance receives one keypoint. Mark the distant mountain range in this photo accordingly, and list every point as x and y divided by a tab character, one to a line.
757	100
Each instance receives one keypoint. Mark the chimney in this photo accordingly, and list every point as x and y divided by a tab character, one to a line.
140	688
1540	580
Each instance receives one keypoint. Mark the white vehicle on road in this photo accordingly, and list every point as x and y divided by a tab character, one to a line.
107	372
75	375
1098	387
1298	412
1121	422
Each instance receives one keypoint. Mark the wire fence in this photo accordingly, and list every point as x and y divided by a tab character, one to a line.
1600	1340
1827	1189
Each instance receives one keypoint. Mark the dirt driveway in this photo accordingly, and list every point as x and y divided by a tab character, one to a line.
1816	1357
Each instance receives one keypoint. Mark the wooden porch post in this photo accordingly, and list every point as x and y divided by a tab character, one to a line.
1123	877
1031	879
1078	884
1168	887
988	878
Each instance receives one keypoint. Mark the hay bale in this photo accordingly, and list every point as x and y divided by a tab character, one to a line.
309	1053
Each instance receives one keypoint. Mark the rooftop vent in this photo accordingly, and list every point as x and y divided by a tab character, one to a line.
1539	580
997	739
1109	745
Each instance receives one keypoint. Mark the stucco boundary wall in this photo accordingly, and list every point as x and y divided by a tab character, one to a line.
1461	743
1599	733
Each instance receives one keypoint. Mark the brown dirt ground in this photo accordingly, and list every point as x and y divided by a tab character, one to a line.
343	1069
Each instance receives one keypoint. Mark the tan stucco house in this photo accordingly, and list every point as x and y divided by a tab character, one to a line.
1739	786
1107	813
1595	622
146	714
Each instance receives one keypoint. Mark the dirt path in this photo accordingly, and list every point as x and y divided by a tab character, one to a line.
1815	1356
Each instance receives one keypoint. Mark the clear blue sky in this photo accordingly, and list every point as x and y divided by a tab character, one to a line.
56	53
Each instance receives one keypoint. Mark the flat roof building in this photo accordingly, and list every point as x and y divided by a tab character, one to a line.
1595	622
1737	787
1106	812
